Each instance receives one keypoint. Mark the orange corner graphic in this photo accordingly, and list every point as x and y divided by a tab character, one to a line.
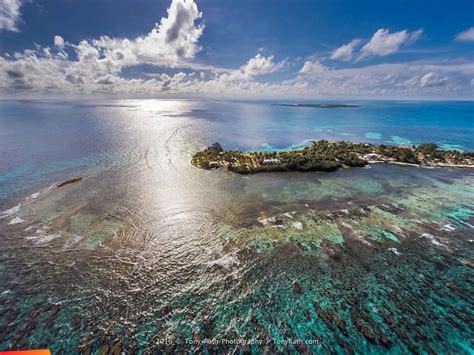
27	352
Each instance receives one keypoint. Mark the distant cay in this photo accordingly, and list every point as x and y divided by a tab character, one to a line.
320	105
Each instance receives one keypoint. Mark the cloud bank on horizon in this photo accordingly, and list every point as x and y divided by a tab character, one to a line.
169	53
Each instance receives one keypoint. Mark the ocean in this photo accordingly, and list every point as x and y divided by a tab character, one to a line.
148	253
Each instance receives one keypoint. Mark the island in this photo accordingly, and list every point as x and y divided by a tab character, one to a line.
319	105
324	155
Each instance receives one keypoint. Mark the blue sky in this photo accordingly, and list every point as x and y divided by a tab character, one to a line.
238	49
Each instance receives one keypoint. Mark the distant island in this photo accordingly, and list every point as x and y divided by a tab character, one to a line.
326	155
318	105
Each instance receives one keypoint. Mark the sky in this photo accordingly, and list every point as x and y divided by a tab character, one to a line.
241	49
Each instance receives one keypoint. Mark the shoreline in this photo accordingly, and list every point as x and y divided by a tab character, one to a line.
460	166
439	166
329	156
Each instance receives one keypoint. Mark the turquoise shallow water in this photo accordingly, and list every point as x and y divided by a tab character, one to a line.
147	253
45	139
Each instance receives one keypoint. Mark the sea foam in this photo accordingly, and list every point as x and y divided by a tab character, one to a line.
11	211
226	262
16	220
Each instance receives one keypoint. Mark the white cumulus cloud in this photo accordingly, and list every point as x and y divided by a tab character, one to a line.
9	14
384	43
59	42
432	80
170	43
96	67
260	65
467	35
346	51
312	68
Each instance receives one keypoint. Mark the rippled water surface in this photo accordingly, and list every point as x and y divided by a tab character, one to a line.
147	253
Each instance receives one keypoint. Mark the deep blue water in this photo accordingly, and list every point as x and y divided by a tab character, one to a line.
449	124
44	140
